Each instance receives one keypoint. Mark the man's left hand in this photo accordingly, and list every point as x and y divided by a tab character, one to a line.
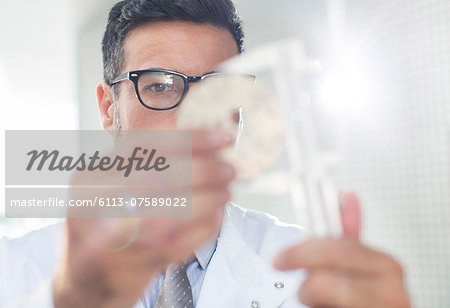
343	273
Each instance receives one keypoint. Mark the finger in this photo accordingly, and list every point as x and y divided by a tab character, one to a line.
204	141
161	232
341	254
350	215
331	288
155	233
211	171
194	236
205	202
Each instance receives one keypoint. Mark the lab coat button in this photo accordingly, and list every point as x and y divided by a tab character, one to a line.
279	285
255	304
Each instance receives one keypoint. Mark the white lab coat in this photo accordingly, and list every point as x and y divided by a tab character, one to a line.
239	274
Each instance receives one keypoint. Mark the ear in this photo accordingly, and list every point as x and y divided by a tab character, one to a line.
106	105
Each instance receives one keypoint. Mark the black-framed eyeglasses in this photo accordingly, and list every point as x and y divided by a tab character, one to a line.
160	90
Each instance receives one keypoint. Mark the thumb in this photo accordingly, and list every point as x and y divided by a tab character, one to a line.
350	215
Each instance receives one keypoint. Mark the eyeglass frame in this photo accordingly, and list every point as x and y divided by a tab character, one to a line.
134	76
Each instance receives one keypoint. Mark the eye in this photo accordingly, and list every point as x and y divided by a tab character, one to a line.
159	87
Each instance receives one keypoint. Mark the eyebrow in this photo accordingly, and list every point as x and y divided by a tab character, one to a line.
166	69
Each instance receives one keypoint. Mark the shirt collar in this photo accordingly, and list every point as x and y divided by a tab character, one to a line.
205	253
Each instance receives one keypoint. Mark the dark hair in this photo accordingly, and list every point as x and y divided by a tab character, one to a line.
128	15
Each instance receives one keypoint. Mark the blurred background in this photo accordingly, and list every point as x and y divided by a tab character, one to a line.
384	103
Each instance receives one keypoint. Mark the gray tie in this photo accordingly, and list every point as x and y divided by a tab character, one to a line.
176	290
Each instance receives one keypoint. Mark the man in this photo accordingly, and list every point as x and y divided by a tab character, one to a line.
222	256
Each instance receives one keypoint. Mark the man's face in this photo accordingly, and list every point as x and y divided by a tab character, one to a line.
191	49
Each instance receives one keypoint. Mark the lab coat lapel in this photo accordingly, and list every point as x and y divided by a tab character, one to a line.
238	277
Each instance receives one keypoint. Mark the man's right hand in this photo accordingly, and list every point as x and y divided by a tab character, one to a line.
100	268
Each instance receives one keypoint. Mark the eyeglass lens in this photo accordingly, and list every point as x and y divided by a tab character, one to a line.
160	90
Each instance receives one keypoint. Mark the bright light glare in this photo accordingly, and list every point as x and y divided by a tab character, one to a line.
349	87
